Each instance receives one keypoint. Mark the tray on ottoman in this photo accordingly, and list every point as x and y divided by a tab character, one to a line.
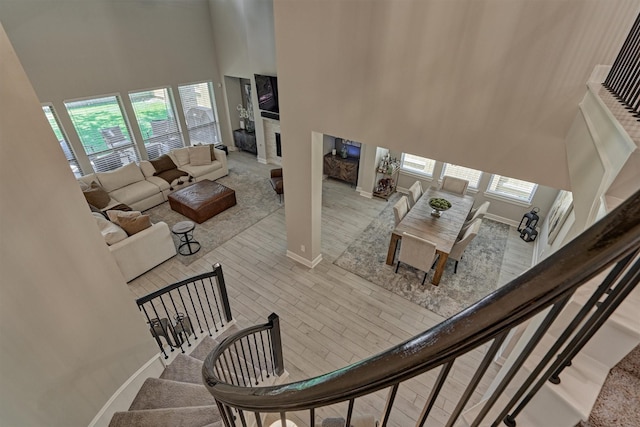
202	200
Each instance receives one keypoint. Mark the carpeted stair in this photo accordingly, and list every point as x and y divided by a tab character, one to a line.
178	398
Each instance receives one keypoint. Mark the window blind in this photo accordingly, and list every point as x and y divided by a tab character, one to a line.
103	131
155	114
62	139
471	175
417	164
512	188
199	112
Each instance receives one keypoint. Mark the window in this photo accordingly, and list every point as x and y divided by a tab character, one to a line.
417	164
200	113
103	131
471	175
156	117
512	188
62	139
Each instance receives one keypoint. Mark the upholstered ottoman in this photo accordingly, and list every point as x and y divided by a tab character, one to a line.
202	200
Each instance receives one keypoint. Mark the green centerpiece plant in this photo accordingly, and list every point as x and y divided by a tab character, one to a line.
439	205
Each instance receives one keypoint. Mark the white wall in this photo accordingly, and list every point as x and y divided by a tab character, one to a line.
243	31
70	333
479	83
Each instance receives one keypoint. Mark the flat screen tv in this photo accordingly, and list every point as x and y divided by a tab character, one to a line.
267	88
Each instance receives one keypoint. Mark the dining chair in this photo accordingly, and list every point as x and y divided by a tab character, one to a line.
400	209
461	245
472	213
415	192
454	185
418	253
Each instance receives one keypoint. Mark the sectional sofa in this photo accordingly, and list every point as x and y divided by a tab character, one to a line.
139	188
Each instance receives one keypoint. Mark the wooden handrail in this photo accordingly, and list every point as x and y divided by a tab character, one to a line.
552	280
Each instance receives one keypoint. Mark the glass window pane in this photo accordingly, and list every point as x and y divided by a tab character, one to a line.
62	139
512	188
418	164
156	117
471	175
200	113
103	131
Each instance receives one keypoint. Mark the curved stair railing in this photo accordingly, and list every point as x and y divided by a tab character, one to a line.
610	246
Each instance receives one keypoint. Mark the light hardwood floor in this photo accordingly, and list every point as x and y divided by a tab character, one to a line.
330	317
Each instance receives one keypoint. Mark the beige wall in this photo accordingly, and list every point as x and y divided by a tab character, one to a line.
243	33
75	49
70	333
481	83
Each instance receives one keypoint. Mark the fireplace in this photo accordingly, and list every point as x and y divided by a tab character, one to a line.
278	145
273	148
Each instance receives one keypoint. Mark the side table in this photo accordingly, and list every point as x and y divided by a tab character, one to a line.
223	148
184	229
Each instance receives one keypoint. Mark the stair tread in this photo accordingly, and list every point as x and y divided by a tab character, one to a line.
196	416
157	393
184	368
207	343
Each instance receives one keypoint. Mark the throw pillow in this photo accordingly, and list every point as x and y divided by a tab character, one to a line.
115	215
147	168
95	210
162	164
181	155
97	196
111	232
199	156
134	224
121	177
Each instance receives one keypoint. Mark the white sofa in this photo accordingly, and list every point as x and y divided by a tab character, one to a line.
141	252
137	187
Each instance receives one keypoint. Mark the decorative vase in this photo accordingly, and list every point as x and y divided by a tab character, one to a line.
241	124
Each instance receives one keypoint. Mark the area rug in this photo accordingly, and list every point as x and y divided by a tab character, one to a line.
477	275
255	199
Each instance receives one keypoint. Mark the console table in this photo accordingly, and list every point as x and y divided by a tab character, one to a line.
245	140
345	169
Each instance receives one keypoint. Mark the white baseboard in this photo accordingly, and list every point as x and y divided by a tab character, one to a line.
304	261
367	194
261	160
123	397
502	219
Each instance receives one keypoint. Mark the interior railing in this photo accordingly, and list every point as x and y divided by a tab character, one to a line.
178	312
609	247
623	81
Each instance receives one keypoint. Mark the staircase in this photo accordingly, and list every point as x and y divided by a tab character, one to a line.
178	397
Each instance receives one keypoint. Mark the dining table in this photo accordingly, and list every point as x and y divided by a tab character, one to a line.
443	231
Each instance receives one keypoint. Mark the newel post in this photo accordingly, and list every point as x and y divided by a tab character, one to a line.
276	341
222	289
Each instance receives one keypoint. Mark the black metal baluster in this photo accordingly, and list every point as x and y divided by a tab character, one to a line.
195	311
604	311
243	421
312	417
206	295
283	419
602	289
234	379
276	337
180	321
473	384
266	362
169	325
224	414
255	345
186	312
625	54
204	313
235	345
537	336
153	332
442	377
258	419
164	330
246	360
616	68
253	362
347	422
389	405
